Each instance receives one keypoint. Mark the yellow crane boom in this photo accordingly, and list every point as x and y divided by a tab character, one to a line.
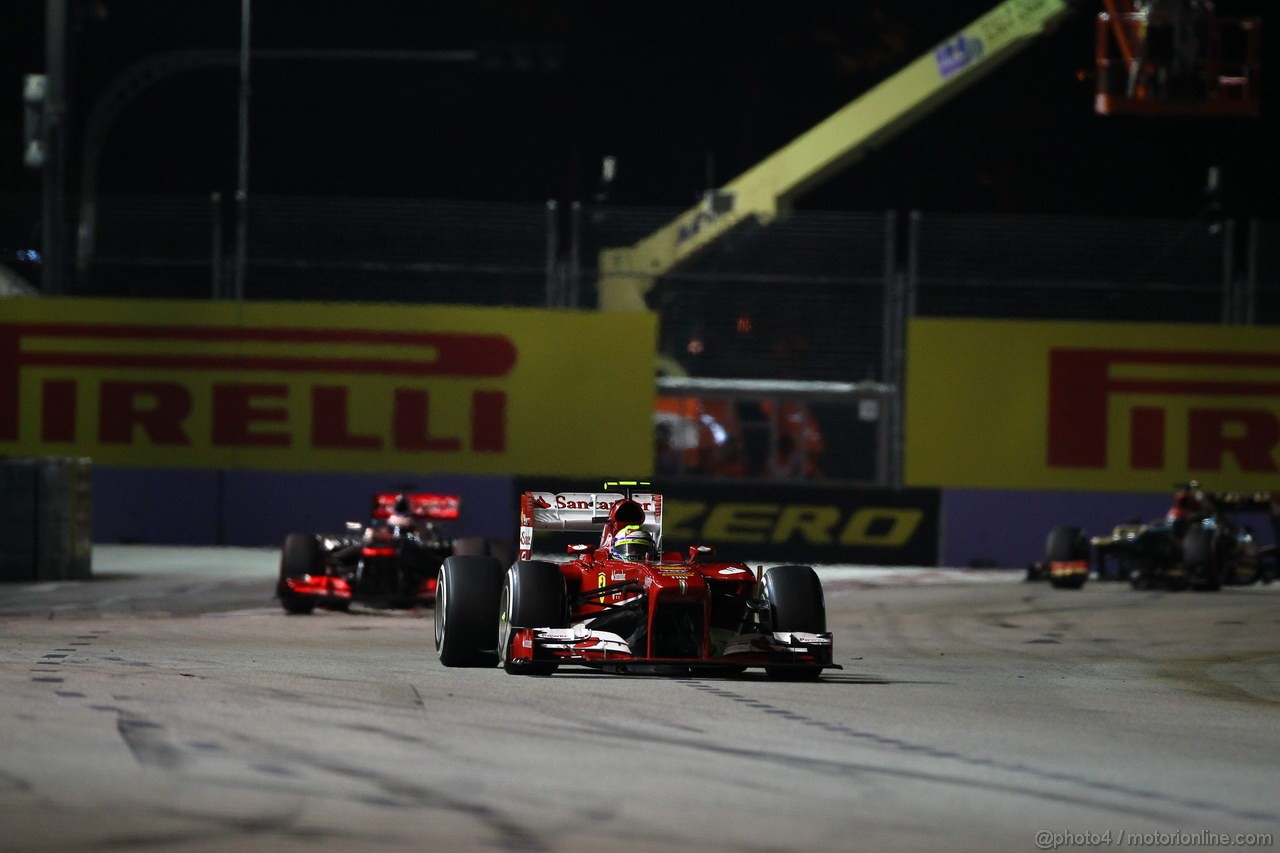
767	189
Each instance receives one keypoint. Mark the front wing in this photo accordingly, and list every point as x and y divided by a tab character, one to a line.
332	589
586	647
327	588
1066	570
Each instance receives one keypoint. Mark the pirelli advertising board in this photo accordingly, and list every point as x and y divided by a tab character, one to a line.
1091	406
804	523
319	387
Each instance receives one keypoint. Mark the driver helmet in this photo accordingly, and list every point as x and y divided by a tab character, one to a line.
1189	507
634	545
1187	501
401	514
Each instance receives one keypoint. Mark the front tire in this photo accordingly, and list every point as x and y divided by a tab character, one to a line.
1066	545
796	603
533	596
468	595
299	556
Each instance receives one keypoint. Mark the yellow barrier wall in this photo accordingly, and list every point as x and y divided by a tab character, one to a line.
1104	407
297	386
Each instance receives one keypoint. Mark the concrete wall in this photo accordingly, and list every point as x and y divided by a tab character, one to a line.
197	507
1008	528
251	508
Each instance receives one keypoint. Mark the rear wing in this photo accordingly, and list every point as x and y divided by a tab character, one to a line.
583	511
1247	501
422	505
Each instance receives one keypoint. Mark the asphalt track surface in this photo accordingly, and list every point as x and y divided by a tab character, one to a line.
169	704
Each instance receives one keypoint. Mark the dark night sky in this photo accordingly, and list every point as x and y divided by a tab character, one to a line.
676	91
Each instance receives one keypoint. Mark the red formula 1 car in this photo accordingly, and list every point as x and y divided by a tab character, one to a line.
390	561
620	604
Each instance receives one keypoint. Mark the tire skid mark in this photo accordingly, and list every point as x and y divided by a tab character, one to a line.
48	667
151	746
247	830
149	742
392	792
10	782
146	739
389	734
1154	800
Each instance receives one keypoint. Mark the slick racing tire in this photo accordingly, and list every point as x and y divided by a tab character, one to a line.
468	593
795	599
533	596
1202	558
300	556
1066	544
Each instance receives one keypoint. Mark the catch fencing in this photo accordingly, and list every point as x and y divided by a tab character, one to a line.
815	297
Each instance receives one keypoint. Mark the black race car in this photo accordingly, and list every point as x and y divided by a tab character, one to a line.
390	561
1198	544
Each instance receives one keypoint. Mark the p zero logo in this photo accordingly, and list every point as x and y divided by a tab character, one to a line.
1224	407
250	383
781	523
809	524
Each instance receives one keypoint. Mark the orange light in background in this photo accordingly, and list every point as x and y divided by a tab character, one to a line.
744	324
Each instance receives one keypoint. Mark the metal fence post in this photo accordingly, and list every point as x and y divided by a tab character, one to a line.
554	285
54	138
913	265
242	180
904	301
574	274
891	334
1251	275
890	265
1231	296
215	252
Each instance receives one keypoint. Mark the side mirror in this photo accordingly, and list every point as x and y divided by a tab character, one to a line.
701	552
578	549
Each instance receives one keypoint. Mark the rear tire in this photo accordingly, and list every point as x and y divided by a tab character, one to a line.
533	596
468	596
1202	560
300	556
796	603
1065	545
